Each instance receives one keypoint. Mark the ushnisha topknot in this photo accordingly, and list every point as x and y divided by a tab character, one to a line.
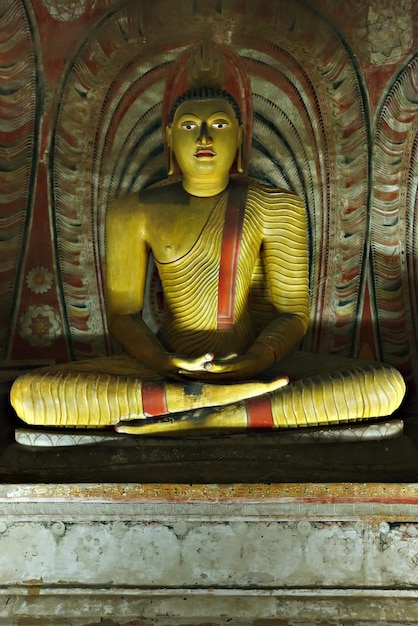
211	70
205	67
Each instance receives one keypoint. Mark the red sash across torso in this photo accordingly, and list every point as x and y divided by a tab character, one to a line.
231	241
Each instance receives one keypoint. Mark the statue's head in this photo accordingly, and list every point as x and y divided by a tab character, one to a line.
208	112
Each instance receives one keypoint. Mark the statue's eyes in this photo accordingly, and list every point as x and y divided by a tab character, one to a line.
219	125
189	125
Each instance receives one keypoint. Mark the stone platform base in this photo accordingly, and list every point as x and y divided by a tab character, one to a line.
356	433
245	555
301	607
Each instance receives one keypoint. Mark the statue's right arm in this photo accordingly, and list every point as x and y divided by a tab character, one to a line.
126	266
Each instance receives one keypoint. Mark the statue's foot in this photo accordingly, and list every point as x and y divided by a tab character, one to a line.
231	418
229	393
268	387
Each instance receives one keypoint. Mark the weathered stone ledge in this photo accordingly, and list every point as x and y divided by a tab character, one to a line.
191	554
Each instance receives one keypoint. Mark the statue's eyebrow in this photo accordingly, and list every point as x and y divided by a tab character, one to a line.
218	115
184	117
221	115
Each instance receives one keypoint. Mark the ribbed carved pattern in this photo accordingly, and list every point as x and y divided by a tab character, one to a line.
17	143
189	277
363	392
280	254
94	392
74	396
395	206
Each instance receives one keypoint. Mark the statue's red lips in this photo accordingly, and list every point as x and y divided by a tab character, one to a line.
205	153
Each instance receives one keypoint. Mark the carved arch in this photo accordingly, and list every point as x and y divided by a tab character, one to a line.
394	236
19	131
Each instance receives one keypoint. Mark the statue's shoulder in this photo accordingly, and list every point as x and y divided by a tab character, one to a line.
123	205
140	203
160	194
264	194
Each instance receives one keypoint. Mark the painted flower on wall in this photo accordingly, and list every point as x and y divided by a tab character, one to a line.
387	35
39	279
40	325
66	10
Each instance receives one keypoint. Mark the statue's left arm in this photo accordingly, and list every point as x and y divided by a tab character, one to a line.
285	254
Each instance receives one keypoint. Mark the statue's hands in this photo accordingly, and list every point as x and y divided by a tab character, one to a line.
234	367
228	368
188	366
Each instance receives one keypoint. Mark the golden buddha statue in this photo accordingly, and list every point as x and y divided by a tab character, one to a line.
232	257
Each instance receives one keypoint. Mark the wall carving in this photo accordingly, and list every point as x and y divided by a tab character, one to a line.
19	127
395	205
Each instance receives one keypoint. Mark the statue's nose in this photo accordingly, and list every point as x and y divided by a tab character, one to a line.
204	137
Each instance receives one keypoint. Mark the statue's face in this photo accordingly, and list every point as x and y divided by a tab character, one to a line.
205	136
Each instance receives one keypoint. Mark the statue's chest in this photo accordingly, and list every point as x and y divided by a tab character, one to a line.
178	231
216	257
207	237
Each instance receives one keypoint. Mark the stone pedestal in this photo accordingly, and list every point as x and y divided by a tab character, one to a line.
208	554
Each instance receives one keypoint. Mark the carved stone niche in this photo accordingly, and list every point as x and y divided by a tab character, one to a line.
321	128
242	529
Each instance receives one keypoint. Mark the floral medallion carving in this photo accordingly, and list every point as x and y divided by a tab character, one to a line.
39	279
40	325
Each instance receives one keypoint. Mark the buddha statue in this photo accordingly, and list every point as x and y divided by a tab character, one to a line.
232	258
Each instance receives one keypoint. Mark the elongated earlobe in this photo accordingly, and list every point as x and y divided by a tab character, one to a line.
240	152
170	165
170	155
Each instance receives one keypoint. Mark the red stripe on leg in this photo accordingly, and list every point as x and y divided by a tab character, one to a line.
153	399
259	412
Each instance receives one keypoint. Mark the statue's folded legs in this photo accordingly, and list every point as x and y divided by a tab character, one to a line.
116	391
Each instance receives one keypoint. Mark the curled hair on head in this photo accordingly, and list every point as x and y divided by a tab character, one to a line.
205	93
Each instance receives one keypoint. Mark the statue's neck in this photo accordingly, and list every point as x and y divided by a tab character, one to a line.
204	188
